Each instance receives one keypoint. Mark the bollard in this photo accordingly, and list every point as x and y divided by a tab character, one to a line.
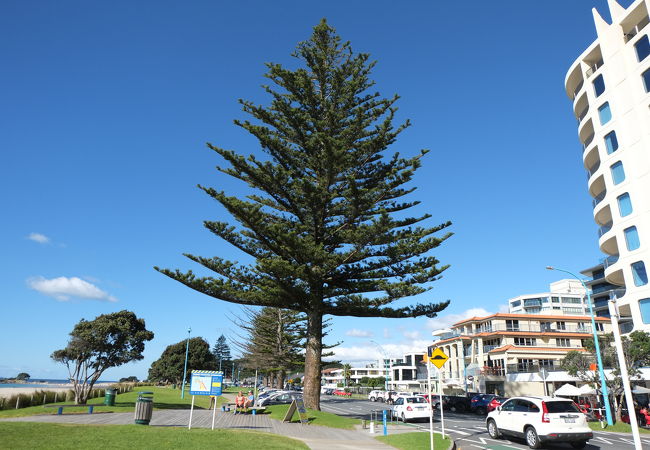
372	427
18	402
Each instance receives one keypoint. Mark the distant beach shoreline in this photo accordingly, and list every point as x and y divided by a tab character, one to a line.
29	388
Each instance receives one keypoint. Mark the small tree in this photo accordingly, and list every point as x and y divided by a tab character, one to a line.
636	349
169	367
108	341
23	376
346	373
221	351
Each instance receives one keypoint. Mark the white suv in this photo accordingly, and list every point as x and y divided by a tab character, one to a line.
540	420
373	396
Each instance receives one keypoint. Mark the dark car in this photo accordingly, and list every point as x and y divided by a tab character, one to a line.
480	402
496	401
456	403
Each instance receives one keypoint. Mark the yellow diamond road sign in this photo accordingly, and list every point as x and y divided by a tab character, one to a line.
438	358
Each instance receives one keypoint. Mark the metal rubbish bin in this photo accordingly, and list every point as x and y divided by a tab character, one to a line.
144	408
109	397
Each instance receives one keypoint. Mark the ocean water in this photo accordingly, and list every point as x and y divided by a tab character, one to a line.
44	383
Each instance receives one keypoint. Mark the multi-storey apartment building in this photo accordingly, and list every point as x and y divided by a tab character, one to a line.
609	85
504	353
565	297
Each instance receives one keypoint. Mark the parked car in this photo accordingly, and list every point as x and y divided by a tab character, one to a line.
411	407
479	403
329	391
390	396
456	403
539	420
279	398
496	401
376	395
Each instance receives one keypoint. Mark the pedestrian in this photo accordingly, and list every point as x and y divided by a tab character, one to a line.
240	403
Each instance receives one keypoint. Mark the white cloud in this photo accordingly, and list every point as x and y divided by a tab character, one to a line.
63	288
411	334
38	237
387	334
448	320
504	308
359	333
370	352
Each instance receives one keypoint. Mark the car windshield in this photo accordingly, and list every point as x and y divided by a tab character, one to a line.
561	407
416	400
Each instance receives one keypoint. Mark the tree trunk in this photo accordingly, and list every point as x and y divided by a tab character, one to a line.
313	352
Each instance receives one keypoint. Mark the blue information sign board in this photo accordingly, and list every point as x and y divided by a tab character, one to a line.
206	382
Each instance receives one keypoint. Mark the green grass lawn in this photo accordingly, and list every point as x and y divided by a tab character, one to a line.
54	436
163	398
620	427
415	441
321	418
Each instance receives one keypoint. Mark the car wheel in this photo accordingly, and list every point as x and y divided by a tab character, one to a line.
373	399
532	439
493	430
403	418
460	408
580	444
453	408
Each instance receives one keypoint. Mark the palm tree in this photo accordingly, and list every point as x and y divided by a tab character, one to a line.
346	373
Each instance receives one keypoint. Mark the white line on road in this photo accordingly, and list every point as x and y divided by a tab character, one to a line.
604	440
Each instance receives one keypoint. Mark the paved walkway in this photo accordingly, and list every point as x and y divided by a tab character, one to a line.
316	437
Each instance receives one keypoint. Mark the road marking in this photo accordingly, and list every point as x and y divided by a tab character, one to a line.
458	431
604	440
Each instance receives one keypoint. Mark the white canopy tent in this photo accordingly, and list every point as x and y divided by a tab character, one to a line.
568	390
640	390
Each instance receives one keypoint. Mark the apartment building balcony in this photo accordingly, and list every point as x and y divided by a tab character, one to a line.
599	198
603	229
495	371
530	368
537	328
594	68
634	30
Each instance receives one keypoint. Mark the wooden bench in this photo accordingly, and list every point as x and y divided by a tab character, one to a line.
60	407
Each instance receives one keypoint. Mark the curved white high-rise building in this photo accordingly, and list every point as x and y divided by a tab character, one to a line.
609	86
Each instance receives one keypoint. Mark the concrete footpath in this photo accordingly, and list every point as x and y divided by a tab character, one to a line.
316	437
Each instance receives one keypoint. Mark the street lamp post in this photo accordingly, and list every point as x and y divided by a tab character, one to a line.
187	350
601	372
386	363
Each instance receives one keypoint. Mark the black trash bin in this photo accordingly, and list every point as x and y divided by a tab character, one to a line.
144	408
109	397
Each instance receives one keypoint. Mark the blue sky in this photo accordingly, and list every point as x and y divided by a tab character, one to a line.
106	109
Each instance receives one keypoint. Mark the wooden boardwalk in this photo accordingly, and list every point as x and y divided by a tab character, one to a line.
316	437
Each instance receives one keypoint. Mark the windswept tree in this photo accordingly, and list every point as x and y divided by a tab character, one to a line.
96	345
326	225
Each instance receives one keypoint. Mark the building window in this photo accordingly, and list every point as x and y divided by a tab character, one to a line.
516	303
546	363
604	113
599	85
524	364
624	205
639	274
545	326
632	238
611	142
561	325
644	306
618	173
600	327
646	80
642	48
563	342
512	325
526	342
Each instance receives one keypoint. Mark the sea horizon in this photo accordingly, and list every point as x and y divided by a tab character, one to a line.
43	382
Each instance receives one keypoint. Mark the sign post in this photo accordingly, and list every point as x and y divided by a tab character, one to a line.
384	420
438	358
428	361
205	382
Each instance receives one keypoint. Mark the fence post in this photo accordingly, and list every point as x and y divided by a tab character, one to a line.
17	402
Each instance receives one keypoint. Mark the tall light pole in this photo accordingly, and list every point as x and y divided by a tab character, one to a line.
601	372
386	362
187	351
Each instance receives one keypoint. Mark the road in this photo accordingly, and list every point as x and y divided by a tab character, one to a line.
468	430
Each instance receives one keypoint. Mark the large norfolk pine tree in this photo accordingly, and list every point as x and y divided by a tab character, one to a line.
327	227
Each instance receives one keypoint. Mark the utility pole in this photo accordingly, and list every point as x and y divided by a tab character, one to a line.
613	313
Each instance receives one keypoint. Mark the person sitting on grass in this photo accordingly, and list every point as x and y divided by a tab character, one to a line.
240	403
